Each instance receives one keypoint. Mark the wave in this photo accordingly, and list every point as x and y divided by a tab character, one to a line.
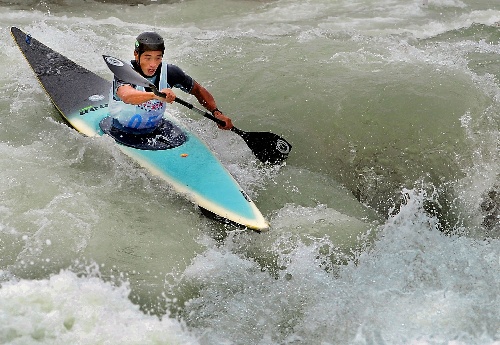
70	308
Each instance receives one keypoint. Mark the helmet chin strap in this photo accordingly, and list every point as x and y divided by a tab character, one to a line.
137	56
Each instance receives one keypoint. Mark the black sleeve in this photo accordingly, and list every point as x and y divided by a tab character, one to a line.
177	78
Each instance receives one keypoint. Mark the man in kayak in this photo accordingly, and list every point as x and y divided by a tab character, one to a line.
137	110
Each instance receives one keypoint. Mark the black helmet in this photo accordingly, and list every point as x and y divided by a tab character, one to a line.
148	41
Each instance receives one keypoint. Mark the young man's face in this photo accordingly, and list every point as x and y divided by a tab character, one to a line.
149	61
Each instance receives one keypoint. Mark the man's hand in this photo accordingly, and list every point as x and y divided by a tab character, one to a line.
224	118
169	95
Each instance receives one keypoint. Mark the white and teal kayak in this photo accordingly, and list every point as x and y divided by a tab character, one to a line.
188	166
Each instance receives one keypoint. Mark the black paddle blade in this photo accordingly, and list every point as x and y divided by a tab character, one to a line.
125	72
267	147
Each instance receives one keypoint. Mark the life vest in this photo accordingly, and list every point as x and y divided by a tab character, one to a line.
142	116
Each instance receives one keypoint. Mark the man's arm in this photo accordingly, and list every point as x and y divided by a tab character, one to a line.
203	96
206	99
177	78
133	96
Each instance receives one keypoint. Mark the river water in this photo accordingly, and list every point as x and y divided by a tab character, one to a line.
384	220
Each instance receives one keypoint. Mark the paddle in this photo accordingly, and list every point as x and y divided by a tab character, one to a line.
267	147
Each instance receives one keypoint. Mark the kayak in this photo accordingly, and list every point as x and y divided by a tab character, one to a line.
173	153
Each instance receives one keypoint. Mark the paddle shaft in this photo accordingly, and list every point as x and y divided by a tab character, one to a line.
207	115
200	111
